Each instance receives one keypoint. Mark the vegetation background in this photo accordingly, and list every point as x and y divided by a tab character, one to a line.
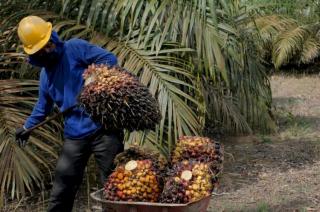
208	62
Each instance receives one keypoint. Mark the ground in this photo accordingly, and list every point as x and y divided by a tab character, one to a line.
279	172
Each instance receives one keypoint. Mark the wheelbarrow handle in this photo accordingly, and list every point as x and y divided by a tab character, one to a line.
48	120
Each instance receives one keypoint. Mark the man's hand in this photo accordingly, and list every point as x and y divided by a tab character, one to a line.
21	136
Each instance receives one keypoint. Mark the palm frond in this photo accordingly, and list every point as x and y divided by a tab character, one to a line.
271	25
23	169
310	51
186	22
220	106
288	44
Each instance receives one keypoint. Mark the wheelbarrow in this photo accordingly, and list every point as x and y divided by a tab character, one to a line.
123	206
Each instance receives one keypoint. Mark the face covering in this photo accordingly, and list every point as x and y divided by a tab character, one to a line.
45	59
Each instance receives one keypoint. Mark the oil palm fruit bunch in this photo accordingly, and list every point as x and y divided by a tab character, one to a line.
198	148
189	181
174	191
134	181
137	153
116	98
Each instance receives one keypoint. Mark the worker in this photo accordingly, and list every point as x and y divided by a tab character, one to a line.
61	81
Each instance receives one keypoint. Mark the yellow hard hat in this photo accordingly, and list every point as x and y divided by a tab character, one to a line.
34	33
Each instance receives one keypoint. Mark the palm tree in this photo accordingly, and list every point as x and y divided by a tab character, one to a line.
196	56
284	40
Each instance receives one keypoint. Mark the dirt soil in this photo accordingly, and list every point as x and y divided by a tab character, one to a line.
279	172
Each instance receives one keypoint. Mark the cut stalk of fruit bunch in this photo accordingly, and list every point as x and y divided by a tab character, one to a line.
131	165
186	175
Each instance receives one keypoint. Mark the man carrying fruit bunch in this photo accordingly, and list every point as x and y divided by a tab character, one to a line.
63	64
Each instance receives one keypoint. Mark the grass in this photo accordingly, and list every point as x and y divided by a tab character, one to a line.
264	138
292	126
263	207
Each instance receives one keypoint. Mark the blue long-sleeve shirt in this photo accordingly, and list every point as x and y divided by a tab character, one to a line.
62	83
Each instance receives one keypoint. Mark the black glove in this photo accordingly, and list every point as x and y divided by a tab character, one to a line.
21	136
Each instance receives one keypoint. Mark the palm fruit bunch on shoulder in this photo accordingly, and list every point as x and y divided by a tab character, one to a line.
199	148
116	98
135	181
188	181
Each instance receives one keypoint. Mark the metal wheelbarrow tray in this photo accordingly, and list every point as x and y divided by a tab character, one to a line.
123	206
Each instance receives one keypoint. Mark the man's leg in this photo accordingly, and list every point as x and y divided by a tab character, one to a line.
68	175
105	148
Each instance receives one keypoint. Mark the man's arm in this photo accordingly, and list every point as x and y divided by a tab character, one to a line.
44	105
88	53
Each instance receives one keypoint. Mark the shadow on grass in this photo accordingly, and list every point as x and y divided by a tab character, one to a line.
284	102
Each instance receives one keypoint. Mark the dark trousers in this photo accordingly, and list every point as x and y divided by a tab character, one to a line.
72	162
